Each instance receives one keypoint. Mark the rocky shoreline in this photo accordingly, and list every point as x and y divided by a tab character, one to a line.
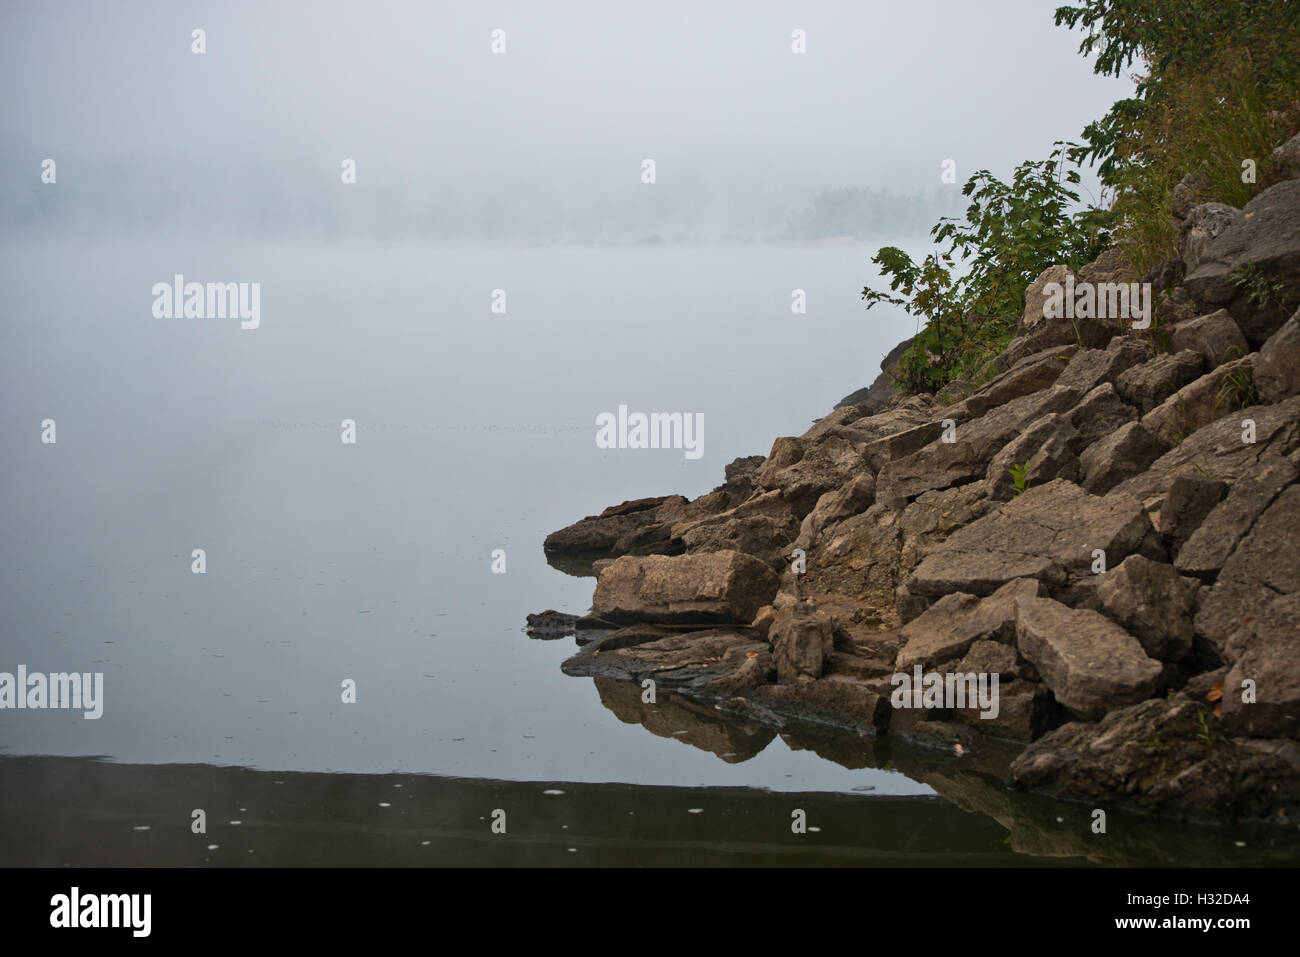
1109	526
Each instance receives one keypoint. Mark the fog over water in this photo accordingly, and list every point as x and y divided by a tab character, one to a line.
475	172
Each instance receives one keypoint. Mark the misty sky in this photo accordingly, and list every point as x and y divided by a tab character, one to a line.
743	131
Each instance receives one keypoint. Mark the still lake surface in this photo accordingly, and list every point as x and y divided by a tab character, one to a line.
372	561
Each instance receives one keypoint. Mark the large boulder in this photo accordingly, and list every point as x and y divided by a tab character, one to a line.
1123	453
943	464
1099	414
953	624
1277	367
1091	664
1149	384
1197	404
1045	450
1166	754
802	640
1153	602
611	532
1265	238
1264	565
711	588
1216	337
1208	548
1267	647
1202	225
1048	533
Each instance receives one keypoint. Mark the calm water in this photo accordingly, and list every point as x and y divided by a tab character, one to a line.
372	562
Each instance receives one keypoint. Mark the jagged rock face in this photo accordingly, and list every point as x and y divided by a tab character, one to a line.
1277	367
1091	664
1048	533
1267	651
712	588
1213	395
1166	753
1208	548
1154	603
1264	236
950	627
1125	452
1264	565
1156	539
1149	384
1216	338
802	641
1044	450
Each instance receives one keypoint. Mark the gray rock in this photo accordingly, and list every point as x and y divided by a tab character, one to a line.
1267	236
1031	375
1045	449
900	444
1286	159
1199	403
1048	533
1267	648
942	464
802	641
1218	451
1036	295
1155	755
1216	338
948	628
1127	451
852	498
1202	225
1149	384
1091	664
1090	368
761	536
716	587
605	535
1099	414
1264	565
1208	548
1191	498
1154	603
1277	367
